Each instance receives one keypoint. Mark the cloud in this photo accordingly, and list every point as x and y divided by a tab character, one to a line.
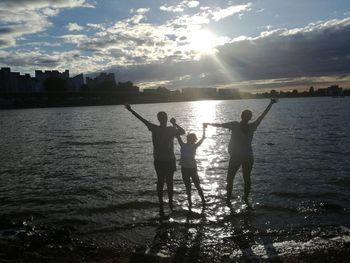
139	15
317	49
173	9
138	41
27	61
19	5
226	12
24	17
284	57
161	53
192	4
74	27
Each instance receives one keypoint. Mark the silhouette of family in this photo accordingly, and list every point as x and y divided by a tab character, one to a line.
239	148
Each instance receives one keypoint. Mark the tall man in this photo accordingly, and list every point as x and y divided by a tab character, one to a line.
163	152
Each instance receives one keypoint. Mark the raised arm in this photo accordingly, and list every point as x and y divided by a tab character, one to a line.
179	129
226	125
128	107
262	116
178	137
203	136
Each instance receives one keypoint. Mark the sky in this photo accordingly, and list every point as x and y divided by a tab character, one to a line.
251	45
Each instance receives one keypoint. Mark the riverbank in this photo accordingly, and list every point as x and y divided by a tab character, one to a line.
195	239
77	100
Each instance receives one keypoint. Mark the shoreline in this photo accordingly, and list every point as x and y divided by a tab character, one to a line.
195	240
88	102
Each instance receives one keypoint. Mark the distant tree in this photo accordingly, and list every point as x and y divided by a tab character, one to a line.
295	91
55	85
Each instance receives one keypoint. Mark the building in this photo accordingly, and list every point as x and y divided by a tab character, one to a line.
334	90
229	93
93	83
76	83
14	82
199	93
41	77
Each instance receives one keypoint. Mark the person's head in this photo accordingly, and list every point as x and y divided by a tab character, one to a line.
191	138
246	115
162	118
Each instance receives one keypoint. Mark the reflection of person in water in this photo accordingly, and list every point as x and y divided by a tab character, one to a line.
240	149
163	152
189	165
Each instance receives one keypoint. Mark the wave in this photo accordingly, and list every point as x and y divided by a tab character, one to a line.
123	206
276	208
77	143
341	182
303	195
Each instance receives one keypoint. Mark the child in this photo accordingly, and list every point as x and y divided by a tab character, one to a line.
189	164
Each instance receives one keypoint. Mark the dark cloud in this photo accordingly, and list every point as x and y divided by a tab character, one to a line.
6	30
317	50
324	51
6	42
34	4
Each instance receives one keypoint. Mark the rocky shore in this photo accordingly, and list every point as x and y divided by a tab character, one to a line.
194	241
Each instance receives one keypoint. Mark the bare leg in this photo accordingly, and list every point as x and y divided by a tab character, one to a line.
247	169
231	172
187	181
196	182
160	185
170	188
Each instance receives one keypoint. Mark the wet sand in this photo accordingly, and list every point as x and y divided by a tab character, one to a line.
182	238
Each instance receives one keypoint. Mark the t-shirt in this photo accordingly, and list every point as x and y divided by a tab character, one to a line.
241	142
188	153
163	141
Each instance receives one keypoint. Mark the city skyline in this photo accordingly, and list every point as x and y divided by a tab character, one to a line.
253	45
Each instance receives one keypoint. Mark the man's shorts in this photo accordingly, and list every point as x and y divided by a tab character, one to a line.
238	160
165	166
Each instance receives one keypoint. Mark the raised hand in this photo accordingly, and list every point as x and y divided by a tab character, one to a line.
127	106
205	125
273	100
173	121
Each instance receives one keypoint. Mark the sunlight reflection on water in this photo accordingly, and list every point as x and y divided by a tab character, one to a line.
100	160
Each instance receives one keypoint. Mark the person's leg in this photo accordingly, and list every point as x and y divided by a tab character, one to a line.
196	182
247	166
187	181
160	186
170	187
233	167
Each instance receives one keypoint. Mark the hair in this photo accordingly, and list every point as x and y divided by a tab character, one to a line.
162	116
191	137
246	116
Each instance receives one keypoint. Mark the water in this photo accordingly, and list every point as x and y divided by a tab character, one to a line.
92	167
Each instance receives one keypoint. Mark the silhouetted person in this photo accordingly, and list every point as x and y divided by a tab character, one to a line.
240	149
189	165
163	152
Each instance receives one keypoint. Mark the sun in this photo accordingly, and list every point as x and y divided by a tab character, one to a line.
202	42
